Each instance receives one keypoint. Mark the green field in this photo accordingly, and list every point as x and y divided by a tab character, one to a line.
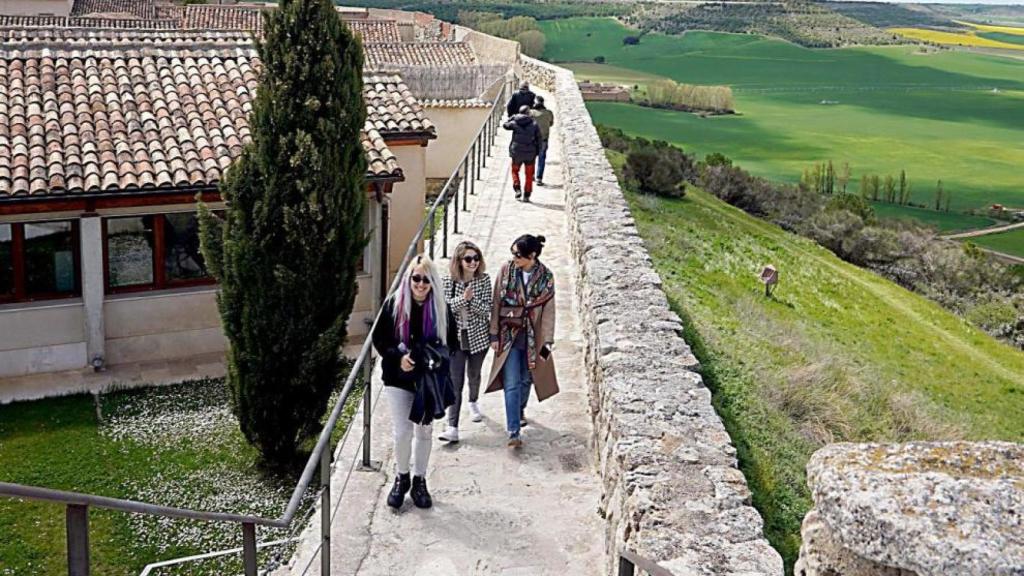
1003	37
944	222
837	354
1006	242
879	109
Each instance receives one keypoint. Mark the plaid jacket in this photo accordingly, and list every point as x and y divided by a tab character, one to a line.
478	311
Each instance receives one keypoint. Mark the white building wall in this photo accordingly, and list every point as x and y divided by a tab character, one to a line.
456	129
42	337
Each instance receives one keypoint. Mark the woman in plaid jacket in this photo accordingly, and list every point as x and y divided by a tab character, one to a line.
467	289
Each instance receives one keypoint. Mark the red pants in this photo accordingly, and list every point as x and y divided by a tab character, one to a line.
529	178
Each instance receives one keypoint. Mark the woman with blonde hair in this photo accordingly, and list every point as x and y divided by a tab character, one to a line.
414	324
467	289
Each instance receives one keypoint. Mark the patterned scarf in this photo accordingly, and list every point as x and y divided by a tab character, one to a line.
538	292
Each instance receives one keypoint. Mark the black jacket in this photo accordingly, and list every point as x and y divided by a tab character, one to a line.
526	139
518	100
387	345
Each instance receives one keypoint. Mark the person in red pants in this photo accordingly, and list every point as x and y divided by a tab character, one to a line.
525	146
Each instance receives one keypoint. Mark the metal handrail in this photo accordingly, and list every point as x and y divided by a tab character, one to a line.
630	561
77	503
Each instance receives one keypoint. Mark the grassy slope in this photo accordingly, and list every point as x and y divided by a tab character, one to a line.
897	109
837	354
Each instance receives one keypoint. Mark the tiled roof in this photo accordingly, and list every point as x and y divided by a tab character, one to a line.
391	108
84	22
99	119
216	17
227	17
374	31
430	54
144	9
455	103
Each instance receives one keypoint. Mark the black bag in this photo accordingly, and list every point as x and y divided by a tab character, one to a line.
434	390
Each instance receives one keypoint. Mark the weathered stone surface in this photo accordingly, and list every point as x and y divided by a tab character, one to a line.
934	509
672	489
821	555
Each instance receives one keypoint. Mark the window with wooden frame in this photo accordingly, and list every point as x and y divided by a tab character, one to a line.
153	252
39	261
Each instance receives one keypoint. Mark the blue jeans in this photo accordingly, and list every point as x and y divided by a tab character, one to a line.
541	158
516	378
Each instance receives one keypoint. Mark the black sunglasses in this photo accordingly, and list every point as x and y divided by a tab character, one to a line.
417	279
468	259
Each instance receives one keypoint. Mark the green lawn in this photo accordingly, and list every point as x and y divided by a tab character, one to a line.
1011	242
944	222
879	109
837	354
176	446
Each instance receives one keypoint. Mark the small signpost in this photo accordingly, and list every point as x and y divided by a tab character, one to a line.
770	278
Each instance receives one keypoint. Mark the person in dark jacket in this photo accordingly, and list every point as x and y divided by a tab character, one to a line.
545	120
523	149
523	97
416	315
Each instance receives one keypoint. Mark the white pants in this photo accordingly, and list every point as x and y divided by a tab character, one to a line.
409	436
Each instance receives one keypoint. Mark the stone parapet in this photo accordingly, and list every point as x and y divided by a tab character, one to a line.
672	489
915	509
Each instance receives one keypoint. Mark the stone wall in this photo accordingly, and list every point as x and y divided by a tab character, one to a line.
915	509
672	488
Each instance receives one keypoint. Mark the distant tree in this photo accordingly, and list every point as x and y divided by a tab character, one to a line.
285	254
946	200
830	179
865	186
717	159
844	176
852	203
876	187
904	196
938	195
533	43
631	40
890	189
599	59
652	175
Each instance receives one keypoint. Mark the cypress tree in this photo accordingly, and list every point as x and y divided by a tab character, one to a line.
286	253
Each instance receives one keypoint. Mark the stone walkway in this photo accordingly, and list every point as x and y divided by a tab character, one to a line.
496	511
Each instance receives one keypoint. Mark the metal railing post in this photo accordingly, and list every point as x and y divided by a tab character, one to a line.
472	172
367	411
325	511
249	548
486	148
77	517
445	203
626	567
465	177
432	214
455	214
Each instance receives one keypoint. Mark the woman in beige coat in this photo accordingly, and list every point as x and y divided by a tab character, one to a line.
523	331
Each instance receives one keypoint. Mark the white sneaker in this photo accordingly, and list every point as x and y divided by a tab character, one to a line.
451	434
474	411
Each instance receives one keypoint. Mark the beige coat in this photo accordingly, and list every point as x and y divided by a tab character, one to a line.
543	317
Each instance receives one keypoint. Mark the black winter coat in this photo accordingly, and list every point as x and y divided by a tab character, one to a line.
526	139
387	345
518	100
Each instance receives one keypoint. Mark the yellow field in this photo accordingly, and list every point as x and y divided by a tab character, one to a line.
986	28
956	39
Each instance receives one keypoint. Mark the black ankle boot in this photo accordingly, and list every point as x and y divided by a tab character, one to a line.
397	495
420	496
